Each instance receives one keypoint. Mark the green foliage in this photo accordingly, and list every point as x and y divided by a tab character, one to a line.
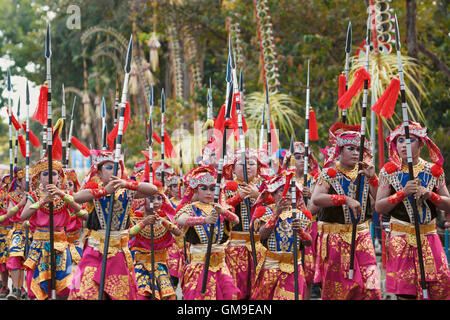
303	30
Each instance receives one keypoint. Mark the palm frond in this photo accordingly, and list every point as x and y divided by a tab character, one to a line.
283	111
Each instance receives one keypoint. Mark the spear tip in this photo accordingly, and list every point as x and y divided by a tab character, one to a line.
291	147
27	101
397	34
48	50
9	80
129	55
348	44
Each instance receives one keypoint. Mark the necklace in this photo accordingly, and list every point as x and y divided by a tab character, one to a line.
351	174
417	168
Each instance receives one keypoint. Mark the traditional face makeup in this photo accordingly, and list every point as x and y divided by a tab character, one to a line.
299	160
416	145
157	200
252	168
349	155
70	185
206	193
43	177
106	171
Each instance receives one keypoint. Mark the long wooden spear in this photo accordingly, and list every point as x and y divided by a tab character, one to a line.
150	180
294	216
163	120
219	174
48	54
269	128
11	164
64	130
69	142
348	49
16	142
410	159
361	152
116	163
104	132
27	159
238	97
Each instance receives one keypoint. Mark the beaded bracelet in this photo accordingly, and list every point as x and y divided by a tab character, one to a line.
68	198
228	215
99	193
338	200
136	229
132	185
194	221
374	182
397	197
435	198
14	209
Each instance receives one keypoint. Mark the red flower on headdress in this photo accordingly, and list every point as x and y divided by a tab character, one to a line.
436	170
390	167
331	172
138	214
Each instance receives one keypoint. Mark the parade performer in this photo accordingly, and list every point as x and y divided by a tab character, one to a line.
16	237
75	226
179	250
238	251
5	228
120	278
36	210
273	220
196	213
334	193
312	175
140	246
394	198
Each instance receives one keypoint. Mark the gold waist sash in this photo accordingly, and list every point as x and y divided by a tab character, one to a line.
341	228
118	242
280	260
59	239
217	259
399	227
161	256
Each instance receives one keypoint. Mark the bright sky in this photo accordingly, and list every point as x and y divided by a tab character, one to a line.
18	89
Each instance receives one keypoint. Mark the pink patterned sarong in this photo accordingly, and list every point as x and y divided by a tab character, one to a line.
402	266
120	281
333	263
220	285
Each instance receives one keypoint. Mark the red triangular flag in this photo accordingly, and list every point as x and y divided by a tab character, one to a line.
14	121
40	114
385	105
169	151
360	76
33	139
81	147
57	146
342	81
313	134
156	137
22	145
219	122
115	131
